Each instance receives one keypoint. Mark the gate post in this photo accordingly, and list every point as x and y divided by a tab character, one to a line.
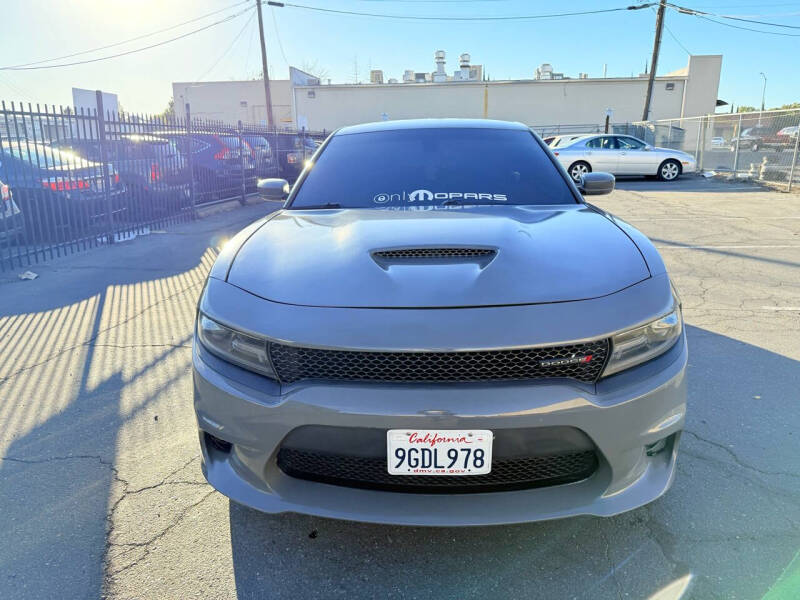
243	194
101	137
794	157
190	160
736	151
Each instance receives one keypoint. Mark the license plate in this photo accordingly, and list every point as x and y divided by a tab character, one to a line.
439	452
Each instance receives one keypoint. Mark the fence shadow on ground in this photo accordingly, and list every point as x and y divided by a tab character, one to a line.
82	358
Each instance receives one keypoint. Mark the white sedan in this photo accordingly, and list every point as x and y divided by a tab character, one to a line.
622	155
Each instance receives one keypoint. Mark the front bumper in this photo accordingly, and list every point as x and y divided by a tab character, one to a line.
622	415
688	165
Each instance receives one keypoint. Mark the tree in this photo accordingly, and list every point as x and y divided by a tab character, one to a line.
314	68
787	106
743	109
169	112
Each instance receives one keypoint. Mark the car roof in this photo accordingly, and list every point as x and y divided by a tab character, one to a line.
143	138
430	124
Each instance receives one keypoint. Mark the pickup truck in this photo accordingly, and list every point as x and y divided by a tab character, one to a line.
761	138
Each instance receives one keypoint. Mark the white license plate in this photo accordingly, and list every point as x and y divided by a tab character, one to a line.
439	452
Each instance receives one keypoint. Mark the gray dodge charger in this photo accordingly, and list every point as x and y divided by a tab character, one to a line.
437	329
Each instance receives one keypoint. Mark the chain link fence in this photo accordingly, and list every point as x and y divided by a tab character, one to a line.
756	145
72	179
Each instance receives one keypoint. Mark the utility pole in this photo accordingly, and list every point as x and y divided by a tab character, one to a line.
267	95
662	6
763	91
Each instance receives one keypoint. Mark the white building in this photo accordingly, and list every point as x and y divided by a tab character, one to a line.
687	92
232	101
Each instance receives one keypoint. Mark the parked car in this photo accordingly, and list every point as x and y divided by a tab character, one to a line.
564	140
218	161
437	329
11	226
760	138
622	155
60	193
790	132
718	142
152	169
264	160
293	149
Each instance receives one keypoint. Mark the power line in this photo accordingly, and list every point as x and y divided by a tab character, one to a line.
677	41
748	28
697	13
228	49
756	22
134	51
278	35
249	48
133	39
673	36
432	18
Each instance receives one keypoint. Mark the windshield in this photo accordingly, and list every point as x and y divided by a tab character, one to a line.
430	167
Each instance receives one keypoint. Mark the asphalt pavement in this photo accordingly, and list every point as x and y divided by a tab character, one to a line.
101	493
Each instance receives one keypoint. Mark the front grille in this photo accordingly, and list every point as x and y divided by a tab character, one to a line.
404	253
295	363
371	473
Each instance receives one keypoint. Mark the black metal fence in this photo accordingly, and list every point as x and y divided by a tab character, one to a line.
72	179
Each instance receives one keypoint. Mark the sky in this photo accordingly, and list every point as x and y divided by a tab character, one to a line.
345	47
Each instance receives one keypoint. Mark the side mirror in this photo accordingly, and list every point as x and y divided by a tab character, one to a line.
273	189
596	184
648	147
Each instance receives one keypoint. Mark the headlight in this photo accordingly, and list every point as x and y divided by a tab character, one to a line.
239	348
638	345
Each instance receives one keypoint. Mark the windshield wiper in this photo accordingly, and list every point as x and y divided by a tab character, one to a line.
318	206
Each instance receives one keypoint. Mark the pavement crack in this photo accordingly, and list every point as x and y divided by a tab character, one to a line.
39	461
126	492
661	537
736	459
141	345
147	544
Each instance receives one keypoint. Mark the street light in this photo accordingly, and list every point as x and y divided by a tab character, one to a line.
763	91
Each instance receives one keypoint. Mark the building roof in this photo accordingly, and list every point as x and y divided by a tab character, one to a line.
430	124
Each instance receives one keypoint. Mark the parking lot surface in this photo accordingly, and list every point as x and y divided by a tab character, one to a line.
100	483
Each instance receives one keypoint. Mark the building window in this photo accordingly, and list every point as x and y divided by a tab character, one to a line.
243	103
312	94
670	85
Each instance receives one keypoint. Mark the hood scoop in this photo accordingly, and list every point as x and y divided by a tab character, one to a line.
428	255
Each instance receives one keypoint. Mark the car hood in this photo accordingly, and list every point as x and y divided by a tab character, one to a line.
536	255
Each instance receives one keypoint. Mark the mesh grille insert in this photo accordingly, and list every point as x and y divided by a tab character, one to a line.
370	473
405	253
582	362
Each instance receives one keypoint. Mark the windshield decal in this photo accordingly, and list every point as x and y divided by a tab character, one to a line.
423	195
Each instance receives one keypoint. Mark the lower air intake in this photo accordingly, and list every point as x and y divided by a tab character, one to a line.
371	473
